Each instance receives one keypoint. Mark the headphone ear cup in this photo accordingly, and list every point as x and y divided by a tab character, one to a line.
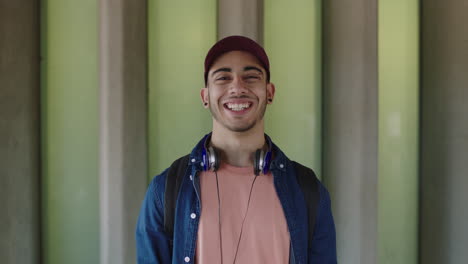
205	159
214	159
256	162
266	162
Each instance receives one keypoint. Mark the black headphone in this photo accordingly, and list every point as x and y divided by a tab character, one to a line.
211	158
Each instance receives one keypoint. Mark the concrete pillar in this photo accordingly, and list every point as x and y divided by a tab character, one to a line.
19	132
444	132
123	125
350	127
242	17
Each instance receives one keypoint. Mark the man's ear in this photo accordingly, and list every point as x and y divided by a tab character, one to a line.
204	97
270	92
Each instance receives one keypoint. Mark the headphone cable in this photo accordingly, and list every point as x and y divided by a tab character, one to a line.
243	220
219	219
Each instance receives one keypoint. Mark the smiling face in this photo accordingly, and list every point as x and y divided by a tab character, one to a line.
237	92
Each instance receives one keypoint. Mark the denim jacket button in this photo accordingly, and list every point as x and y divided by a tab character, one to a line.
193	160
187	259
281	165
191	177
193	216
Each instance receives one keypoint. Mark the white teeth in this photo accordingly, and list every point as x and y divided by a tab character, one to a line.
238	107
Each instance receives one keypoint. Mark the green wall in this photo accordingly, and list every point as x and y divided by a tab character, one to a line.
398	131
180	33
292	37
69	94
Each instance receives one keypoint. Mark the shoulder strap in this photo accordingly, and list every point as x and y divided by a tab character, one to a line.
173	180
310	188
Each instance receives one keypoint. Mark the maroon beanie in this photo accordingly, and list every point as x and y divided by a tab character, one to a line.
232	43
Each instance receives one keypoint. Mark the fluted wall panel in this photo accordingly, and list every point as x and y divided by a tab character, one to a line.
180	34
69	132
292	33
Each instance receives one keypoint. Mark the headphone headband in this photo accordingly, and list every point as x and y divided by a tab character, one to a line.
211	159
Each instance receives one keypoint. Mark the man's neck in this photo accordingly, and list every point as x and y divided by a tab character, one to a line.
238	148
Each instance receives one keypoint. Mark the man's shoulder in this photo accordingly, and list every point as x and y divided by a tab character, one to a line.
161	177
158	183
178	166
303	168
307	178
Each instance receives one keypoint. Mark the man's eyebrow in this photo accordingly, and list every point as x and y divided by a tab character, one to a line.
221	70
248	68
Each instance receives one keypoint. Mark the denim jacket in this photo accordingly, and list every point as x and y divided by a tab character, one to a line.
155	246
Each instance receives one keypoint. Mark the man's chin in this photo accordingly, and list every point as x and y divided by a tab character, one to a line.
240	128
235	125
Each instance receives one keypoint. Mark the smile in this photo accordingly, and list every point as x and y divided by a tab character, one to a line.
237	107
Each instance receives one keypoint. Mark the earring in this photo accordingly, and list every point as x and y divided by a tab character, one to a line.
270	100
205	103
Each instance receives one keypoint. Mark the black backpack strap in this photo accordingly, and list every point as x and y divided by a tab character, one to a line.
309	184
173	181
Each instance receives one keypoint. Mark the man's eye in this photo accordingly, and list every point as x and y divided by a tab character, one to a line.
252	77
222	78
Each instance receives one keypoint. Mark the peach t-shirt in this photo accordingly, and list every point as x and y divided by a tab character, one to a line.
265	236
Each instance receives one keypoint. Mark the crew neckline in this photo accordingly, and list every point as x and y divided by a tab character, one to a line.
248	170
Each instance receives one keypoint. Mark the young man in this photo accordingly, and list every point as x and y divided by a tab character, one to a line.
239	199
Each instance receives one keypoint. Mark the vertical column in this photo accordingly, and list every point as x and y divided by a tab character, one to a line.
444	132
242	17
398	131
179	34
123	125
19	132
69	101
292	41
350	125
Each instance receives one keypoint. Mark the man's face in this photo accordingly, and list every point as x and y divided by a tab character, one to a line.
237	92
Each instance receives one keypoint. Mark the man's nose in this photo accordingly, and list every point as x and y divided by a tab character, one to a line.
237	86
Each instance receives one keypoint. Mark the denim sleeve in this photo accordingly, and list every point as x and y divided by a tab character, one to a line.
323	250
151	241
